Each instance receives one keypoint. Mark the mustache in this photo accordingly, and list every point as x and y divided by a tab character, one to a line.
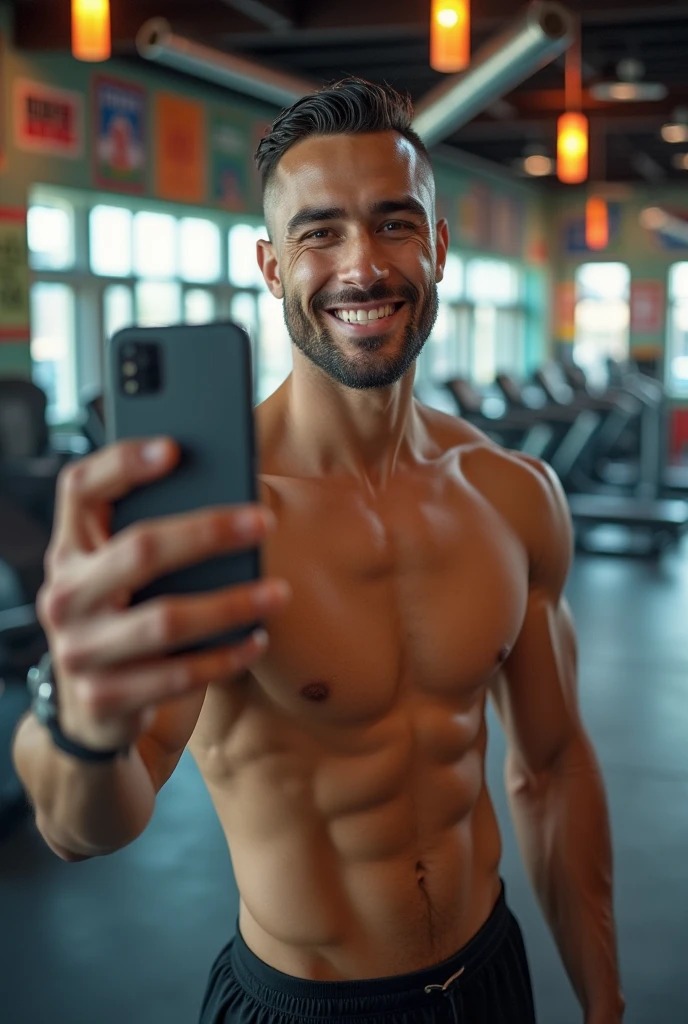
377	293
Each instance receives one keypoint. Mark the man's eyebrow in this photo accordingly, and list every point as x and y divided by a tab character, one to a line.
407	204
312	215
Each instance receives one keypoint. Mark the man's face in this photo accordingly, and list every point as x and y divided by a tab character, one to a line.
355	254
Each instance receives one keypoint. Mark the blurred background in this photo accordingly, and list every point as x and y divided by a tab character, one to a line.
559	135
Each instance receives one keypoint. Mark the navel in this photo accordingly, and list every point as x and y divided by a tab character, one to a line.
503	654
315	691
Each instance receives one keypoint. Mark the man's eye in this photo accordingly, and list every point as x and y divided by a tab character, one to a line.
319	233
395	225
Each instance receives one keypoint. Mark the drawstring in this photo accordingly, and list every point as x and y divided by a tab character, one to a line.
456	1003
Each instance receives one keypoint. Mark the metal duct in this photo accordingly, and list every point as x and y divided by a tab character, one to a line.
157	42
543	32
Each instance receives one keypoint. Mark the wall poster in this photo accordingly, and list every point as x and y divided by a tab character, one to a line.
119	135
48	120
14	276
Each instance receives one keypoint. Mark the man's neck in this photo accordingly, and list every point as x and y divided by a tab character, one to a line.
331	430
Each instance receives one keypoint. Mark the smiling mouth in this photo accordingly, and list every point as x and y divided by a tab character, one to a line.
359	318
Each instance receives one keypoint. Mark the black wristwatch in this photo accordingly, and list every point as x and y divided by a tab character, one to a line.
44	705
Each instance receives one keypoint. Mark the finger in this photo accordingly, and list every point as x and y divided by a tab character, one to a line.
164	624
147	551
103	477
133	688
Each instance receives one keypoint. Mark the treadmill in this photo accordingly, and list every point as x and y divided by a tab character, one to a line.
644	523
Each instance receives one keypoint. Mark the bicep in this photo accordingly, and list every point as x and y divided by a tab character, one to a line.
536	692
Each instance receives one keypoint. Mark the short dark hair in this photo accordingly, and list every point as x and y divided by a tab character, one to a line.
348	107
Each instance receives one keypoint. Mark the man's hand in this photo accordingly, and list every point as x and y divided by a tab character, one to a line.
113	662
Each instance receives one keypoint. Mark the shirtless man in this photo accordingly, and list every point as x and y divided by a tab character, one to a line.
425	568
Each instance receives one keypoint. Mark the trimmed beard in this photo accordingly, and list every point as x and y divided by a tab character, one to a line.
361	370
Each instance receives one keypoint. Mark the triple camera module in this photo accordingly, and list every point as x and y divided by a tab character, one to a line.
140	368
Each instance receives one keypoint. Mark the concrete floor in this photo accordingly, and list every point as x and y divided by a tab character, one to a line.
131	937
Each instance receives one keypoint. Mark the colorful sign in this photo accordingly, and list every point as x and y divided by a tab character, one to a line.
48	120
14	276
231	157
647	307
473	216
180	149
565	311
119	136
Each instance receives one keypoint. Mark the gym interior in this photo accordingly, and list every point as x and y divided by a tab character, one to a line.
128	195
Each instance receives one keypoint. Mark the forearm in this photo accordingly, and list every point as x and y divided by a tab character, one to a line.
86	809
562	825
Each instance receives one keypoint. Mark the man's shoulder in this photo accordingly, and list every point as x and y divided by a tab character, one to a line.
524	490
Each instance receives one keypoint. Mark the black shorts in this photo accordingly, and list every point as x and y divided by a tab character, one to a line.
486	982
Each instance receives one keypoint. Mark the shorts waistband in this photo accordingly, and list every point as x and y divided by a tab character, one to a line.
259	978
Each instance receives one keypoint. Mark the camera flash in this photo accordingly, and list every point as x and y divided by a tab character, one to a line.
129	369
131	387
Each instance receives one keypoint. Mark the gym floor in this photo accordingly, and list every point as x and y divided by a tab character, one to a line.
132	937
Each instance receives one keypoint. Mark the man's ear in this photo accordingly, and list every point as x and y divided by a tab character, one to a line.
269	265
442	246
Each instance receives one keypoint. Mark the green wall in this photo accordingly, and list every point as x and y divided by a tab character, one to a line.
488	211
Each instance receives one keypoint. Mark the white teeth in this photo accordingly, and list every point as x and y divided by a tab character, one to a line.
363	315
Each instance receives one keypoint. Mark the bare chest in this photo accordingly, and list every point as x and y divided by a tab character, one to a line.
420	595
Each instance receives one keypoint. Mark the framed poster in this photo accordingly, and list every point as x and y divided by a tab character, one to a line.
647	307
2	109
14	275
48	120
230	143
180	149
565	311
119	135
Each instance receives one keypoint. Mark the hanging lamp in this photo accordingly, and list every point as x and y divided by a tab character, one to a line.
450	35
596	223
91	36
572	127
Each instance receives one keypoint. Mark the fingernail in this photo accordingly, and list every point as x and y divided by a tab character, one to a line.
260	639
154	451
248	522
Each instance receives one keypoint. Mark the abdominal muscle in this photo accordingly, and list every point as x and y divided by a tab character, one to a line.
357	855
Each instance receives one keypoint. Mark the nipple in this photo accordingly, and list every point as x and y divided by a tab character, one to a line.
503	654
316	691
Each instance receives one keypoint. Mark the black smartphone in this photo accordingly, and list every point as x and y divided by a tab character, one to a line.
193	384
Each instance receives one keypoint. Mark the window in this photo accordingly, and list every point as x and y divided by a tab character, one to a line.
51	236
199	306
52	348
110	241
155	245
602	319
244	271
118	309
480	326
114	263
677	331
199	250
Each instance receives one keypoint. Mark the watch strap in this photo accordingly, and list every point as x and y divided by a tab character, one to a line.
79	751
43	689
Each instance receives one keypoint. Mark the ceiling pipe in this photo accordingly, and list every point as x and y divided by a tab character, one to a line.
545	30
157	42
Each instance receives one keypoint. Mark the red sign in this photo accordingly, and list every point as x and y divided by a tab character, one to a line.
48	120
647	307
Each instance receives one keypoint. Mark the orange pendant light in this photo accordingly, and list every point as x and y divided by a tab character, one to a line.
572	148
572	127
450	35
596	223
91	37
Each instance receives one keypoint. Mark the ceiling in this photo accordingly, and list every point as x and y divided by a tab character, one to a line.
388	40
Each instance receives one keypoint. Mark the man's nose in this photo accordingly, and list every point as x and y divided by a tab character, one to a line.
362	263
